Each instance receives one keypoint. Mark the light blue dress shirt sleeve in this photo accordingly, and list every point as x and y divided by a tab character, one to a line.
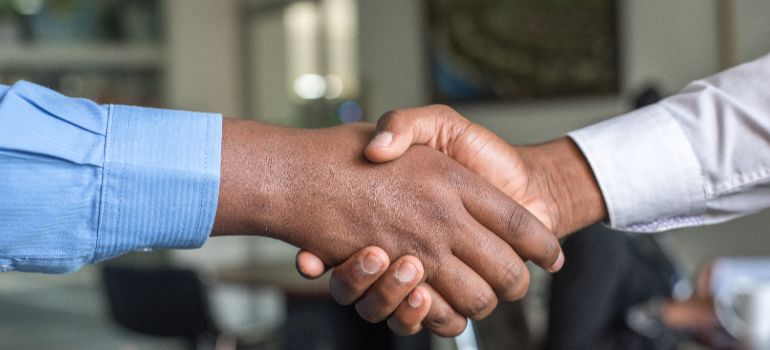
81	183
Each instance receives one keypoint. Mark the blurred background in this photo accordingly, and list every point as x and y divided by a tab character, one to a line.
526	70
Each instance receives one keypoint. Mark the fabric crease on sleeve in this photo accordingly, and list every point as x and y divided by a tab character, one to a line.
648	173
82	183
160	185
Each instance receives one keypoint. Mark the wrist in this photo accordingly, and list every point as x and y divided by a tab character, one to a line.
567	182
278	182
254	155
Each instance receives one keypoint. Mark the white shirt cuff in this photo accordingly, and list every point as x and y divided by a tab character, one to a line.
647	171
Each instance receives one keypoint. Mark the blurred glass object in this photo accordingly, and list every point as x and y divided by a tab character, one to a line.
733	282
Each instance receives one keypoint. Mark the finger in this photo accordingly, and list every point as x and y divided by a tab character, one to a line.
309	265
434	126
354	276
468	293
407	318
514	224
495	261
391	289
442	319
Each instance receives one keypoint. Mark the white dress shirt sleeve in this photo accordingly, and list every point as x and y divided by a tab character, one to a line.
699	157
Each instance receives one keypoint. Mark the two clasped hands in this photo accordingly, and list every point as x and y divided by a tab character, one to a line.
427	219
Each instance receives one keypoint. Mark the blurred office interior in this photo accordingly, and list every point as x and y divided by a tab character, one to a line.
317	63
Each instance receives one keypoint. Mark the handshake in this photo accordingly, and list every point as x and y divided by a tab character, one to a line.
455	207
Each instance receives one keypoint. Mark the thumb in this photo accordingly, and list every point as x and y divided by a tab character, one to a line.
309	265
399	129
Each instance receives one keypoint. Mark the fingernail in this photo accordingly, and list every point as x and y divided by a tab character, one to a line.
382	139
415	299
406	272
558	264
370	265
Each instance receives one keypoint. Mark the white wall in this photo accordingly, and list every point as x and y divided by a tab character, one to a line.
666	42
203	70
392	68
753	29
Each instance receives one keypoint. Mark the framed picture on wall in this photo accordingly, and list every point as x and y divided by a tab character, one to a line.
492	50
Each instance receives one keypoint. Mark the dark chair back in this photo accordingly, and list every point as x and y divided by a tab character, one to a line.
160	302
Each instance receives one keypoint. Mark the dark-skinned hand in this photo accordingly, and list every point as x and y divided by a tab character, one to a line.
314	189
552	181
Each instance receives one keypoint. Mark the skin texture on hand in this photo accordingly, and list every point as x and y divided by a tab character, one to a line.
471	145
314	189
553	180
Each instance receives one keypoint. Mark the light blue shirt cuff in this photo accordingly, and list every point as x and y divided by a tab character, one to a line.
161	180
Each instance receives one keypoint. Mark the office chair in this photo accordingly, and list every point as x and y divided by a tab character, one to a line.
163	302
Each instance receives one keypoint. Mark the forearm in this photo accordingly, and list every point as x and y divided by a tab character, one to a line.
565	177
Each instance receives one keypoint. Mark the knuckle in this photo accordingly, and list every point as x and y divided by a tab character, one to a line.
551	252
438	320
389	117
436	185
456	122
482	306
434	257
400	323
341	289
517	220
450	330
341	297
444	110
395	326
521	289
368	313
445	323
511	278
